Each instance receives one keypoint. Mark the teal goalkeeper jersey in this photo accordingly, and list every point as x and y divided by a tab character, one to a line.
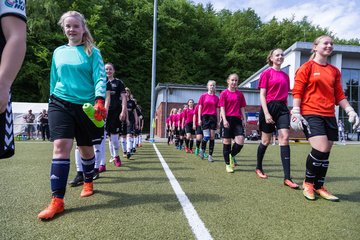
76	77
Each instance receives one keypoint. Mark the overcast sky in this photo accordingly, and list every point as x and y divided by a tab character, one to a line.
342	17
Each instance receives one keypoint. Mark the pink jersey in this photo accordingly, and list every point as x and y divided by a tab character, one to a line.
173	119
168	120
209	103
276	83
188	115
232	102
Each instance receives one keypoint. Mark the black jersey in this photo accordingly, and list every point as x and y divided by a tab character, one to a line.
116	88
131	107
139	113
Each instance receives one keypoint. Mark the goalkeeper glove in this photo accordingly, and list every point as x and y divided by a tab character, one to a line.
353	117
297	121
100	110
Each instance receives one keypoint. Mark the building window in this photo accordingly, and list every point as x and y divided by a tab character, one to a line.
254	84
350	83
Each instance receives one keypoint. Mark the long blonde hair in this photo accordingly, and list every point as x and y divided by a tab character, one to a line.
87	39
315	43
268	58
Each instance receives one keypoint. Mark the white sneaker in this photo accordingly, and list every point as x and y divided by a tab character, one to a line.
210	158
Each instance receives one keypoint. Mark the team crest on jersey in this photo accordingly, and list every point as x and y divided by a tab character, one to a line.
17	4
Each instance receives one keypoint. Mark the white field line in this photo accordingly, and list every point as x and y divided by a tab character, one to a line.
196	224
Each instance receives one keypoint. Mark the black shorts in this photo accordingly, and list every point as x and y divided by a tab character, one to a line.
235	128
68	120
280	114
182	132
176	131
113	123
7	145
199	130
209	122
189	128
319	125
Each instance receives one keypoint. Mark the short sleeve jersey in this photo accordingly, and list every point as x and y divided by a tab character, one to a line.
196	110
208	103
232	102
319	88
10	8
116	88
188	115
76	77
276	83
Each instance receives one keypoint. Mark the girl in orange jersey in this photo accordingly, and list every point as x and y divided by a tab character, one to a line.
316	91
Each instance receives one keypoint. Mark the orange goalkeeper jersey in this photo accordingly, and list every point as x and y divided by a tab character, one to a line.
319	88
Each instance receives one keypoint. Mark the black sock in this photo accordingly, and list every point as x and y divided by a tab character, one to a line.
203	145
211	146
260	156
236	148
285	159
181	141
187	142
197	143
226	152
191	144
88	168
313	165
58	176
321	171
168	139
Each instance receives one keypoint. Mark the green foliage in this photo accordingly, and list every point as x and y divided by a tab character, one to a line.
194	42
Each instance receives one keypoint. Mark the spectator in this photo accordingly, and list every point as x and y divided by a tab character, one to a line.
44	125
341	130
29	119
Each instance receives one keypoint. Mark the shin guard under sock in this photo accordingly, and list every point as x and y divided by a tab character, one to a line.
88	169
236	148
260	155
211	146
226	152
285	159
59	173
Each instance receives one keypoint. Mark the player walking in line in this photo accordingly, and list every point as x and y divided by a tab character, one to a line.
208	115
274	86
12	53
198	130
115	103
131	123
232	109
317	89
188	125
77	77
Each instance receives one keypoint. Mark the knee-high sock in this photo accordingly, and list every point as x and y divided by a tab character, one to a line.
123	144
128	144
114	138
59	173
186	142
88	167
320	171
226	152
98	154
191	143
197	143
111	148
103	152
260	156
203	145
285	159
314	164
211	146
236	148
181	141
78	160
134	142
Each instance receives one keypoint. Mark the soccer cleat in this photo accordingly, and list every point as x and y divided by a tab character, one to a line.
111	159
191	151
196	151
124	154
139	145
324	193
229	169
88	189
232	163
128	155
206	155
291	184
96	174
117	161
308	191
210	158
187	150
261	174
56	206
78	180
102	168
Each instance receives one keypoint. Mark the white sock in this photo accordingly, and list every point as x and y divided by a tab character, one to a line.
78	160
115	143
123	143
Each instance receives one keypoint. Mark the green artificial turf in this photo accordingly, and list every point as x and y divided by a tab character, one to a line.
136	201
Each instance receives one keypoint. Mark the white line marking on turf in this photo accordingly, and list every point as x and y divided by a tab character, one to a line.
196	224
